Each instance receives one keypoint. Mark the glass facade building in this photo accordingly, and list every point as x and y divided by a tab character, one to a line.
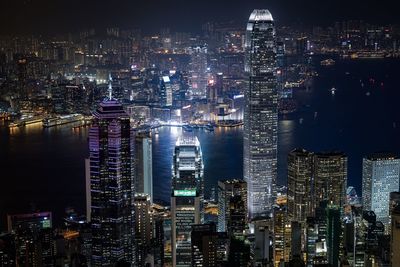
227	189
261	113
330	178
144	164
300	163
198	70
111	156
187	197
381	175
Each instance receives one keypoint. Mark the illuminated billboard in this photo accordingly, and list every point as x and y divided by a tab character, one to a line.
184	193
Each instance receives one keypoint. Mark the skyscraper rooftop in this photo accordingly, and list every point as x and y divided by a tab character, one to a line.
187	141
110	108
260	15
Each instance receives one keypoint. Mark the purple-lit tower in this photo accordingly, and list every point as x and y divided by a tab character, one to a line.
111	146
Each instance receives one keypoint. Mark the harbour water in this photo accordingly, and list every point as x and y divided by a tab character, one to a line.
44	168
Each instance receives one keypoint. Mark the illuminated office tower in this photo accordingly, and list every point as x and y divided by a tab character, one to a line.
311	240
330	178
187	197
381	174
236	221
226	190
333	234
204	245
261	113
354	234
198	70
165	92
300	163
279	235
144	164
143	227
33	238
111	155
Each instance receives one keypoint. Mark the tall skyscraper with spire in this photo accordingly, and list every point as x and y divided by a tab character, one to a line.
261	113
111	160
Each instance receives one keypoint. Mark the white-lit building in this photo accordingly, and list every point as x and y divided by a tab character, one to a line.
260	135
381	175
187	197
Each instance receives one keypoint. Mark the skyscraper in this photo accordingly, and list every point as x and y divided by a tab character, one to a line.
111	155
165	92
33	238
144	164
261	113
333	234
330	178
226	190
204	245
381	175
279	235
236	223
300	164
198	70
143	227
187	197
311	240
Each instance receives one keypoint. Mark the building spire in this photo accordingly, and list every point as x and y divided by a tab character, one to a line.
109	86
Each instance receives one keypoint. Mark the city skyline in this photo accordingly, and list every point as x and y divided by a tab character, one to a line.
238	145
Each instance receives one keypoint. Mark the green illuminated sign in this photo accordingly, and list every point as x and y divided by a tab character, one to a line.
46	224
184	193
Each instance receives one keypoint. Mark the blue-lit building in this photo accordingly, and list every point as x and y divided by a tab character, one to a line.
261	113
144	164
165	92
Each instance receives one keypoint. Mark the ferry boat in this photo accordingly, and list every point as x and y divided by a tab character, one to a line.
25	121
229	123
13	125
328	62
60	120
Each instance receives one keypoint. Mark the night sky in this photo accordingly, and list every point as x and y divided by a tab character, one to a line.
57	16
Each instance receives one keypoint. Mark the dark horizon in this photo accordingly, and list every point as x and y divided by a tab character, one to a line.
62	16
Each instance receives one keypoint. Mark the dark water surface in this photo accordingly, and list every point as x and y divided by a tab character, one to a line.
44	168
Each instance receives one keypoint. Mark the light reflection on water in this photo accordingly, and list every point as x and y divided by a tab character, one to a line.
47	165
222	153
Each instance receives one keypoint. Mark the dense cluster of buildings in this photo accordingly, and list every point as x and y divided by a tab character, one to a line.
316	219
167	76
